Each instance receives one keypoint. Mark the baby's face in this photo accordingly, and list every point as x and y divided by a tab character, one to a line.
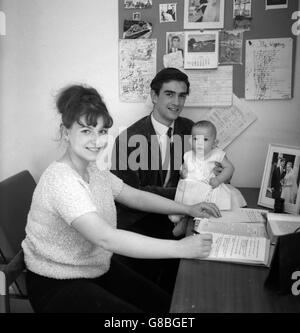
203	140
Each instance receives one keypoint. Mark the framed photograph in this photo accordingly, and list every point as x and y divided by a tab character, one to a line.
281	178
203	14
276	4
201	49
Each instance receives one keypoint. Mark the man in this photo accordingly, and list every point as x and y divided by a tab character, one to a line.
277	178
175	45
156	167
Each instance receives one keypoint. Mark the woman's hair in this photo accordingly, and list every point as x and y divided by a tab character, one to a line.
206	124
76	101
167	75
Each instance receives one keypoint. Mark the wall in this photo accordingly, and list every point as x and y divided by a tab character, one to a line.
52	43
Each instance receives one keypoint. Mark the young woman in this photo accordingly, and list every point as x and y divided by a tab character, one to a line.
71	230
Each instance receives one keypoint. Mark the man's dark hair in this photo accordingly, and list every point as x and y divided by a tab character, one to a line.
167	75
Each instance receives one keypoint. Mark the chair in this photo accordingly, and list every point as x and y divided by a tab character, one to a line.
15	200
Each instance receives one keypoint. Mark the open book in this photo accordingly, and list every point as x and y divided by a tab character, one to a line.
281	224
242	215
245	243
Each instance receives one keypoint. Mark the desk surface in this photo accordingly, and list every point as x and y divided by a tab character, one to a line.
215	287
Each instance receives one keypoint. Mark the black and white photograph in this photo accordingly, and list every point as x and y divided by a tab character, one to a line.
203	14
231	47
168	12
276	4
175	42
137	4
242	8
281	178
136	16
201	50
144	146
133	29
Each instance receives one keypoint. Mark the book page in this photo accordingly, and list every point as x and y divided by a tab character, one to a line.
242	215
239	248
235	229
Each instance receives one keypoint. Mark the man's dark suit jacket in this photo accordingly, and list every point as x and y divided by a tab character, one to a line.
146	178
276	181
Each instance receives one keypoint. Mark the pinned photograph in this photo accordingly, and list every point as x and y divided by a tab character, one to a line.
242	8
175	42
230	47
281	178
203	14
136	29
201	50
168	12
137	4
136	16
276	4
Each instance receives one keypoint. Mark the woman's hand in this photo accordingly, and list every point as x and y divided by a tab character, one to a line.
196	246
204	209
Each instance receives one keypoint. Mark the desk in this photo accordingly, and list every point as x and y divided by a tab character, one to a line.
216	287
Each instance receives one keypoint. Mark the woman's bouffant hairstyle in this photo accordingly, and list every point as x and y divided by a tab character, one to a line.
166	75
76	101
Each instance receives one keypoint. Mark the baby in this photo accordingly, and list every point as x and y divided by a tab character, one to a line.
198	181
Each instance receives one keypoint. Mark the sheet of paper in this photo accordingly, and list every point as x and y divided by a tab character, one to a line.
242	215
268	72
137	59
228	247
232	228
210	87
173	59
231	122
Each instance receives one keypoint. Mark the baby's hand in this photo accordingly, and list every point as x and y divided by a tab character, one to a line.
183	172
214	182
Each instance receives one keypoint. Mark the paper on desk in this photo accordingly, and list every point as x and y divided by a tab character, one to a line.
242	215
236	229
230	247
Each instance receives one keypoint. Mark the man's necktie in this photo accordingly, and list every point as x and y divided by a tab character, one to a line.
169	148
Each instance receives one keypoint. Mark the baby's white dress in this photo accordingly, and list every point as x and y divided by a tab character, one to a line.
195	187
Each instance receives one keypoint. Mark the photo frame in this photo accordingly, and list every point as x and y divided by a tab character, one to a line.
281	178
203	14
276	4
